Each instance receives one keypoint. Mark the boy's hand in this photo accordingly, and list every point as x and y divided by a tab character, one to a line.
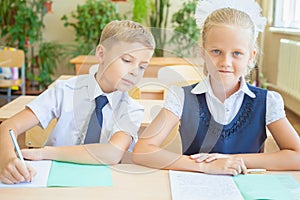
231	166
208	157
15	172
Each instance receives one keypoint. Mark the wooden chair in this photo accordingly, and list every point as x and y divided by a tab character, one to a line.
13	59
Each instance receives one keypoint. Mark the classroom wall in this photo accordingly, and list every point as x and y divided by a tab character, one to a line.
54	27
271	45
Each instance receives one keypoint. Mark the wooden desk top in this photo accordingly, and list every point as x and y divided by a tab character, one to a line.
14	107
83	62
155	61
129	182
167	61
84	59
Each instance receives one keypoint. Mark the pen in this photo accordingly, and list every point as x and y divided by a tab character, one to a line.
13	138
256	171
12	135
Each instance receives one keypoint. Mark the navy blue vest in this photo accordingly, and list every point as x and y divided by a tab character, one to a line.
246	133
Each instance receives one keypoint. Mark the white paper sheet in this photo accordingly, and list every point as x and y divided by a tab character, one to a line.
40	180
190	185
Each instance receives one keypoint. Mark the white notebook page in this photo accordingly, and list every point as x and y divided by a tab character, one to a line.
191	185
42	169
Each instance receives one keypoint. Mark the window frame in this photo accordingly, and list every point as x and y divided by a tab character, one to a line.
286	19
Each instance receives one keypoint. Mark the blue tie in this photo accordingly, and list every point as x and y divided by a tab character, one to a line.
94	129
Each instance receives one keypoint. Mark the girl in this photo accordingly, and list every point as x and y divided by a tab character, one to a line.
223	119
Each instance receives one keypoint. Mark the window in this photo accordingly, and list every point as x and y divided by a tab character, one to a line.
287	14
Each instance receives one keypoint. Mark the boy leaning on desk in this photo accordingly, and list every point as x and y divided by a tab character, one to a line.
96	119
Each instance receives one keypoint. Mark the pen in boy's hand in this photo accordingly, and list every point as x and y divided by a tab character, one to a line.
17	148
256	171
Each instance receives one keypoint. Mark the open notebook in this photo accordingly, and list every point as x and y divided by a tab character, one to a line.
63	174
191	185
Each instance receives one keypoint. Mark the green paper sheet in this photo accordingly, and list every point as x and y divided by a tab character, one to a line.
267	186
64	174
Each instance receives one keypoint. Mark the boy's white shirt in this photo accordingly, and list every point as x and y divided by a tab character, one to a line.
72	103
224	113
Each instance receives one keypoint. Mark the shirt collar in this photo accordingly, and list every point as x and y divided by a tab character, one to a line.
204	86
244	87
94	90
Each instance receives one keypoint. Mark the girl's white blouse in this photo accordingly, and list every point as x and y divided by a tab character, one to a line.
225	112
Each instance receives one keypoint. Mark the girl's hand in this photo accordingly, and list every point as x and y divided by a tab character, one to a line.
206	157
15	172
32	154
199	157
231	166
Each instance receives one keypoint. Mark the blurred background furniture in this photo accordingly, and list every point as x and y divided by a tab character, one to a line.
84	62
15	61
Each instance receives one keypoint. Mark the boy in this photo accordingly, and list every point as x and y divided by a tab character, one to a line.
124	52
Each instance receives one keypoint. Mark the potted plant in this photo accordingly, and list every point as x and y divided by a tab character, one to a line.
187	33
140	11
45	62
88	22
7	11
158	22
48	6
23	30
153	13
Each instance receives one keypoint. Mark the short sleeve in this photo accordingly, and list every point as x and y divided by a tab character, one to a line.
174	100
129	118
275	107
46	107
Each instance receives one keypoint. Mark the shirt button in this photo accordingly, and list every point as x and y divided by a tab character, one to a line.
227	110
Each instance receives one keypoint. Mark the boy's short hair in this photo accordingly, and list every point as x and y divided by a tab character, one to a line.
126	31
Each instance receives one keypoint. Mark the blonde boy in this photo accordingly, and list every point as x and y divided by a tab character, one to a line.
124	52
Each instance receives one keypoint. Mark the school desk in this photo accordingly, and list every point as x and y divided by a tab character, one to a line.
32	139
14	106
130	182
83	63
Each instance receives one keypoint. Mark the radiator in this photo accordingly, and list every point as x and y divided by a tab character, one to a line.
288	77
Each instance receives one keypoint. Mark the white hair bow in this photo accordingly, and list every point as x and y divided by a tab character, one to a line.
250	7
